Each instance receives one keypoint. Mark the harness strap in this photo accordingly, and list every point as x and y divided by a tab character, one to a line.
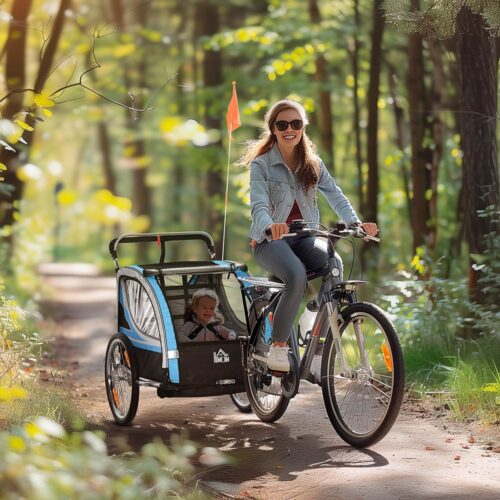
215	332
199	328
195	332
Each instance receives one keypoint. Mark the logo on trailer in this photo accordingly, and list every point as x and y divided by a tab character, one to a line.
221	357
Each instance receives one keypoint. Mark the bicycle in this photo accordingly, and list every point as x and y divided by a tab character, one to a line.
352	351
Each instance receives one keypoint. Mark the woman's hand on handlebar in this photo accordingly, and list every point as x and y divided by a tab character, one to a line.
277	230
370	228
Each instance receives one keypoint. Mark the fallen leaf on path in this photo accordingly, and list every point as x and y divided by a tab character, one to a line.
449	440
472	439
429	448
457	457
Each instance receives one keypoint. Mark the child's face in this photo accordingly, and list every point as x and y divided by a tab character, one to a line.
205	309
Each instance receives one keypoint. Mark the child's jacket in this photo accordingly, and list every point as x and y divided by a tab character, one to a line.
195	331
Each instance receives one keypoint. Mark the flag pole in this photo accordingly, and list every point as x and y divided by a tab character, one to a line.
233	122
227	194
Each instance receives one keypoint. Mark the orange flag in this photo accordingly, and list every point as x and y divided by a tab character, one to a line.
233	113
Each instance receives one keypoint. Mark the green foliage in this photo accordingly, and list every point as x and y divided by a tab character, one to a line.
437	18
487	314
22	403
475	387
431	317
16	341
20	349
41	460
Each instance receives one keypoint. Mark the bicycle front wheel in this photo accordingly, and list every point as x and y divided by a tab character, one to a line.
363	387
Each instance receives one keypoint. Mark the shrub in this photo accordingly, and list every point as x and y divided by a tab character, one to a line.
41	460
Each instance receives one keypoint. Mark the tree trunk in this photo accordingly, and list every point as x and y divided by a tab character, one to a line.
15	50
207	16
141	192
478	62
107	161
370	254
103	139
177	211
400	135
420	155
9	208
325	115
437	128
134	143
51	49
15	78
371	208
357	114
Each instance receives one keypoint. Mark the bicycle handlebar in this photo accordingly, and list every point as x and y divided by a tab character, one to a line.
298	228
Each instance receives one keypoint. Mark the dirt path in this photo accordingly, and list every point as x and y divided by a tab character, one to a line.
299	457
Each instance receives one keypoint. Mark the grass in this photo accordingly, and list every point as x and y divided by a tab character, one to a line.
475	387
39	402
468	376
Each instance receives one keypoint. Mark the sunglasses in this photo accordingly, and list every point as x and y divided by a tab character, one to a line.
282	125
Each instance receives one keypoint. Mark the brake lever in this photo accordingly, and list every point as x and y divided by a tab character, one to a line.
359	233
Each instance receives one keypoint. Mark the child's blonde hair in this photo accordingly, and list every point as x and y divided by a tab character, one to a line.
197	296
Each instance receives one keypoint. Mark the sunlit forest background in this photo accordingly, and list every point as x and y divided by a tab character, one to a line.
135	138
113	120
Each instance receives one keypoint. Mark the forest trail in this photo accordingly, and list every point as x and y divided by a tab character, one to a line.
299	457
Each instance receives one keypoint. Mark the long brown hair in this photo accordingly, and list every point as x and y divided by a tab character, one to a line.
305	150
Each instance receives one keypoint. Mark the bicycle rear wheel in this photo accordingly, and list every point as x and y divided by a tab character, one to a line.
264	390
240	400
363	398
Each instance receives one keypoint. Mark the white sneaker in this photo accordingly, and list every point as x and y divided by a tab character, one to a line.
278	359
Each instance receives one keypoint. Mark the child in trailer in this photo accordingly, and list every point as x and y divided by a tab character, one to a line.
205	321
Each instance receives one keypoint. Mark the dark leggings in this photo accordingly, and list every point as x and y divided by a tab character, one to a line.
290	259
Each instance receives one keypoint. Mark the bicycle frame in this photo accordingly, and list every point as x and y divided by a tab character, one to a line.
330	296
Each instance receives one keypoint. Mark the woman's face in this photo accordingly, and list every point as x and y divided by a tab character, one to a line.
205	309
288	138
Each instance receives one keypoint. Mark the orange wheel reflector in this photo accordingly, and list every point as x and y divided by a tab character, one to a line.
387	356
116	399
271	317
127	359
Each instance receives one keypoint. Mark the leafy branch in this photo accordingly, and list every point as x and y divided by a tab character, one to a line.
80	83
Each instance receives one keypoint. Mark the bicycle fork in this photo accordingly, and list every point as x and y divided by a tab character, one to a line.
333	320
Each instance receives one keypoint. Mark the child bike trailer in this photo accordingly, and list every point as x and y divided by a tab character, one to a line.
147	351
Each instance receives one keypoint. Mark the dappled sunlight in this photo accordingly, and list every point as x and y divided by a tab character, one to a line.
118	119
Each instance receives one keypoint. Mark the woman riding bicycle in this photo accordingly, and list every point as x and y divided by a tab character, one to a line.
285	174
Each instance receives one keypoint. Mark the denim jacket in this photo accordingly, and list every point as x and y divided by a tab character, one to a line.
273	189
